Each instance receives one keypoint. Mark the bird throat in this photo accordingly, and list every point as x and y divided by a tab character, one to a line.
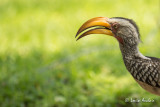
131	52
120	40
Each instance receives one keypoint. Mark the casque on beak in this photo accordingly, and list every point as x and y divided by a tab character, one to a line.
100	24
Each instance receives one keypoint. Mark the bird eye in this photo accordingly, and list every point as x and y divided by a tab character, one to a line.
115	25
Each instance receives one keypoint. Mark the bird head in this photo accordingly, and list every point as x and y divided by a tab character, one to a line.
123	29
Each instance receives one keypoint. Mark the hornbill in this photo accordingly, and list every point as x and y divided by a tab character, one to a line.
145	70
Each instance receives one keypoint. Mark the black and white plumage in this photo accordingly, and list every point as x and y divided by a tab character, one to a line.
145	70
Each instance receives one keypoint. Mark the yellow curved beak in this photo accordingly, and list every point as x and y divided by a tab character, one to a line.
101	27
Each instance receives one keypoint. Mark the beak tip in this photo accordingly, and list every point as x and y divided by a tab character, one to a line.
76	35
77	39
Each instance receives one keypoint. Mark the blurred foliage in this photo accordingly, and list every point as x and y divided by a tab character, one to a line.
41	64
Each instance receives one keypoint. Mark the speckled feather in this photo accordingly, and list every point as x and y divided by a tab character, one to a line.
145	70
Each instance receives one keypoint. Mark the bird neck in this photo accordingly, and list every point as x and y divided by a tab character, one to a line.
131	52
